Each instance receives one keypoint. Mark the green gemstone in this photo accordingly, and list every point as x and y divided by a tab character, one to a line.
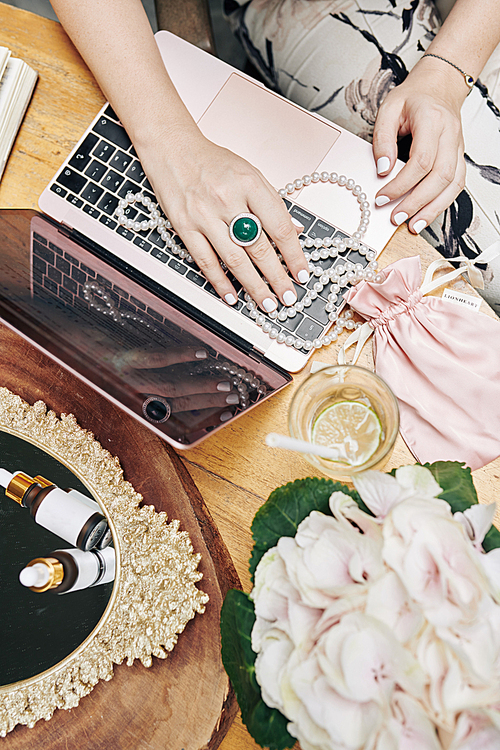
245	229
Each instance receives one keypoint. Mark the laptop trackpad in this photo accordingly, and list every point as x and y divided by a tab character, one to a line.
274	135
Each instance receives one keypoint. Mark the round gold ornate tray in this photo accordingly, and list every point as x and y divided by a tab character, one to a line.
183	700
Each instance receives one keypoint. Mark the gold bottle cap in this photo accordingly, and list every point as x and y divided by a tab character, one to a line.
43	482
56	573
18	486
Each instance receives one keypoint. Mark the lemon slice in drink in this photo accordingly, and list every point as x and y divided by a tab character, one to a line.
350	427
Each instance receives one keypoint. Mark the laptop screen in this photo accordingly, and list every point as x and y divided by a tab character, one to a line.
137	349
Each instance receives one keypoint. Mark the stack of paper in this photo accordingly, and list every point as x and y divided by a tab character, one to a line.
17	81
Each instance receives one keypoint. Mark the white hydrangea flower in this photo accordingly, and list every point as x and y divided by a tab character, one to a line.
383	632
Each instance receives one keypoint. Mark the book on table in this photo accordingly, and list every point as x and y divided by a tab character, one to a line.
17	81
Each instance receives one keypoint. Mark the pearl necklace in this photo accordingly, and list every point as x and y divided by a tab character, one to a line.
337	276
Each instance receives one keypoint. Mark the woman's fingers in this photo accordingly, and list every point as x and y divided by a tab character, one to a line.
426	106
435	208
385	134
278	225
431	169
203	401
148	359
202	197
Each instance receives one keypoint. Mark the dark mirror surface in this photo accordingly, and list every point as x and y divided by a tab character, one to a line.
37	631
131	344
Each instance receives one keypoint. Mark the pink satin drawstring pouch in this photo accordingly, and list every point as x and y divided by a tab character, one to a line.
441	361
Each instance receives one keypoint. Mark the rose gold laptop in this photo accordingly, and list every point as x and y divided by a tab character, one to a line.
92	293
283	140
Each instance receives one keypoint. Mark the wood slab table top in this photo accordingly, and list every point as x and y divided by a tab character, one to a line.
233	470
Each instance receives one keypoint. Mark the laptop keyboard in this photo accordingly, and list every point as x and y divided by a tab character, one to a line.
105	168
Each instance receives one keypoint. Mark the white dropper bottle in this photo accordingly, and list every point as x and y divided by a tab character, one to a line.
67	513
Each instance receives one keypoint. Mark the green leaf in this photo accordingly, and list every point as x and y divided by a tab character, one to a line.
286	508
457	484
455	479
266	725
492	539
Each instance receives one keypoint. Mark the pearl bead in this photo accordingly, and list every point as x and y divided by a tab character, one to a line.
320	249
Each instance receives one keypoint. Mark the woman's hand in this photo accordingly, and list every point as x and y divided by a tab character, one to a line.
427	106
168	373
201	188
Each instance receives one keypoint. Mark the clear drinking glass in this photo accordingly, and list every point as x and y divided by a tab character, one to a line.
336	398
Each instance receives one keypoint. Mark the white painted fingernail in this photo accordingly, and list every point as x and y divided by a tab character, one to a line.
400	217
225	416
233	398
225	385
419	225
201	354
297	224
230	299
303	276
381	200
289	297
269	304
383	164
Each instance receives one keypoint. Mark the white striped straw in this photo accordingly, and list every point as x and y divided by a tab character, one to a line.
274	440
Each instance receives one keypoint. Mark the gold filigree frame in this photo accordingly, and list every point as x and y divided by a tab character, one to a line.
154	595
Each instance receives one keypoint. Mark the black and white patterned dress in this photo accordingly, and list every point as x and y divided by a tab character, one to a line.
340	58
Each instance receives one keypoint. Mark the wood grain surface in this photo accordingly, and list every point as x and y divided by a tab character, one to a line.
233	469
184	701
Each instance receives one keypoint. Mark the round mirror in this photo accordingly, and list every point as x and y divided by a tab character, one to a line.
37	630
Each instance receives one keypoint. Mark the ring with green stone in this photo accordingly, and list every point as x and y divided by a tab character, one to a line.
245	229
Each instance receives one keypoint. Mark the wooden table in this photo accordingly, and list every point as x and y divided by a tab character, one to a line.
234	470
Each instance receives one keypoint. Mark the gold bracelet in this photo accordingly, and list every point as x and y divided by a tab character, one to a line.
469	80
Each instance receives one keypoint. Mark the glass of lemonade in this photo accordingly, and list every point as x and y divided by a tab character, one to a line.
348	409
